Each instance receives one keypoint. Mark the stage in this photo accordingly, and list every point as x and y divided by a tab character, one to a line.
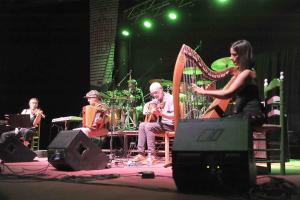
40	180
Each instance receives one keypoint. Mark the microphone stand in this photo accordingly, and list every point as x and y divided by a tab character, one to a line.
198	46
146	96
111	155
129	73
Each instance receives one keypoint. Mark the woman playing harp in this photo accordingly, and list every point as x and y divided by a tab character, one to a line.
242	83
243	86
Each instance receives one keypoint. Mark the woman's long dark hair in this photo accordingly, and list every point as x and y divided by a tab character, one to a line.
243	49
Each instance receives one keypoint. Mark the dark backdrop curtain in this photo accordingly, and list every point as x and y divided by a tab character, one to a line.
269	65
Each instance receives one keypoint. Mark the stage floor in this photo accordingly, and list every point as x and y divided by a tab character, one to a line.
40	180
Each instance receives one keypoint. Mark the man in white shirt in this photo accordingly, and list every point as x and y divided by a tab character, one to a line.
164	111
26	134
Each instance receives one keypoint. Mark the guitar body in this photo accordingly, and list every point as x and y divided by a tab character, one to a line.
151	108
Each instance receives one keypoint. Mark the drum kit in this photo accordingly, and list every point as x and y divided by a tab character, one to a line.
123	109
126	108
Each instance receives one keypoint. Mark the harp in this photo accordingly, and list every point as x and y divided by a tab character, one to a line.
190	68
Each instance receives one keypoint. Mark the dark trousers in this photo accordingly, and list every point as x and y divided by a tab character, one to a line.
24	133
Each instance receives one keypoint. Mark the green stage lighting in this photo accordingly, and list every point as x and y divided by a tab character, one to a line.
172	15
125	32
222	1
147	23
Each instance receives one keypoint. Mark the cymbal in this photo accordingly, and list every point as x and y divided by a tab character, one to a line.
103	95
192	71
117	98
203	82
166	83
116	94
125	93
156	80
222	63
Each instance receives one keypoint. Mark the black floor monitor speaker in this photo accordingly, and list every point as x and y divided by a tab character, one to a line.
213	155
73	150
13	150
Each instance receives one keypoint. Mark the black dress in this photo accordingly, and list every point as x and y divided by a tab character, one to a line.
247	105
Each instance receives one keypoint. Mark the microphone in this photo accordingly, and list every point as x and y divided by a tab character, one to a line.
198	46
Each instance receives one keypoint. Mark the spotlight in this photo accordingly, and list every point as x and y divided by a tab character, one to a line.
125	32
147	23
222	1
172	15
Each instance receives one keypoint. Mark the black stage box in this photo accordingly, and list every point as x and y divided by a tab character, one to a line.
213	155
73	150
13	150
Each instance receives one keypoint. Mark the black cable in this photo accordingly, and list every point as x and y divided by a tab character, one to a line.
17	173
12	171
276	189
85	180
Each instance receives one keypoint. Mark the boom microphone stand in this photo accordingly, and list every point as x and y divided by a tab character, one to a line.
128	74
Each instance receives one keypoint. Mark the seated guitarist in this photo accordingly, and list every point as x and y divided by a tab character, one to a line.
148	129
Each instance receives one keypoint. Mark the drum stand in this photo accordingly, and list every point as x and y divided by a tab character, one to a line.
111	155
115	124
130	122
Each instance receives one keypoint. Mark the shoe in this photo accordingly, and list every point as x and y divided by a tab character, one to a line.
153	161
138	158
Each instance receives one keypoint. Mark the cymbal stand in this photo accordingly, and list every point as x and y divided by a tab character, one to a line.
130	122
111	155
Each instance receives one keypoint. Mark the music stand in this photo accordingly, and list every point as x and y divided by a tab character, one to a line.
19	120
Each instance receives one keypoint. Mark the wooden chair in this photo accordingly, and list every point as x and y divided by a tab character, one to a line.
167	137
276	123
35	143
